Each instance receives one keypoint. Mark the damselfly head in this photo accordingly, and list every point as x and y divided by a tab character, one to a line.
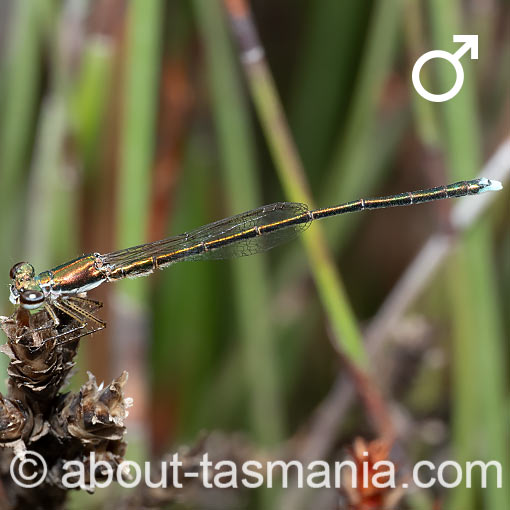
24	289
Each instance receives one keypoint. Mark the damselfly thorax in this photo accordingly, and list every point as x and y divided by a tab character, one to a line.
61	291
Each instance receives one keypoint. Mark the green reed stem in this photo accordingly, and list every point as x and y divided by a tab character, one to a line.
19	86
325	73
251	282
293	179
138	129
478	373
137	142
351	173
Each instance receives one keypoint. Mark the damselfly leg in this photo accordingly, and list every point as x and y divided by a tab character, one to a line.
65	319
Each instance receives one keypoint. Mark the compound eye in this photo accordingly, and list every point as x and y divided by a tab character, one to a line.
14	269
21	267
30	299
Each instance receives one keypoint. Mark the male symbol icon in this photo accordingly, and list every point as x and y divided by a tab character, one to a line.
470	43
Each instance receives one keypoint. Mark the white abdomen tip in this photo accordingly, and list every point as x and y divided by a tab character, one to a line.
490	185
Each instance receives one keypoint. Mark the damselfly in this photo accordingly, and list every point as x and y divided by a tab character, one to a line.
61	291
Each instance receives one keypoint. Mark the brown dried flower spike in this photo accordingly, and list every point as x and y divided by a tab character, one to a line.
364	495
35	415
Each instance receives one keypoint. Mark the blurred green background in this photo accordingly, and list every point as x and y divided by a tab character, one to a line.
123	122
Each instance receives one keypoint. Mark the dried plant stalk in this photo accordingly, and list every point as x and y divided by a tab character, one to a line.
36	416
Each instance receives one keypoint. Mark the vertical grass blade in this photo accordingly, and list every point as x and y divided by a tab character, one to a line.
479	385
251	283
138	129
351	174
326	70
294	182
21	77
88	100
20	87
142	60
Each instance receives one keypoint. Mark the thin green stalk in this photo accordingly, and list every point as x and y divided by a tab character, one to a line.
324	78
426	121
366	144
351	174
251	280
137	143
51	233
293	267
387	135
88	101
182	317
138	129
479	383
51	206
189	332
292	176
20	86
